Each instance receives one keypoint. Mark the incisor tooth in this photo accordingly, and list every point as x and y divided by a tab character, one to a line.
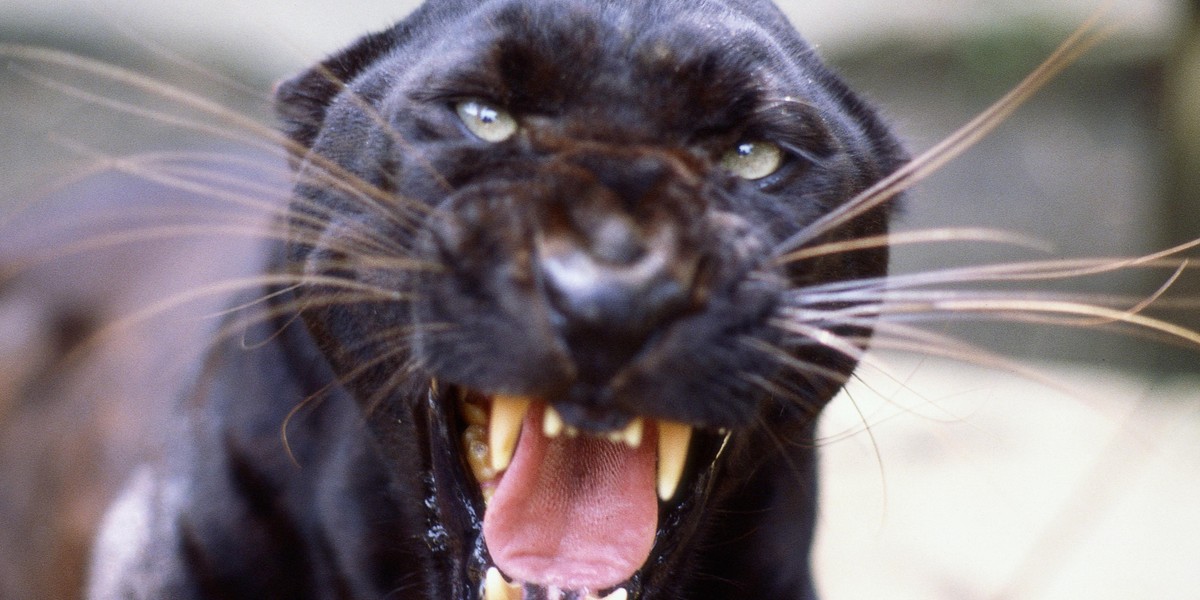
552	423
673	439
476	448
496	588
505	428
632	434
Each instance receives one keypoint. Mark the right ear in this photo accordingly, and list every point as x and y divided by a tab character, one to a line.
301	102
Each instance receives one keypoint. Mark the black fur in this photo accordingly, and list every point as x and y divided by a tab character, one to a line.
625	110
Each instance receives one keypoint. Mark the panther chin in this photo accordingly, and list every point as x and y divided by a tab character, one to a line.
570	513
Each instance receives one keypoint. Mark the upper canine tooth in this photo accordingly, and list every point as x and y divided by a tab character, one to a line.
505	428
673	440
632	434
552	423
496	588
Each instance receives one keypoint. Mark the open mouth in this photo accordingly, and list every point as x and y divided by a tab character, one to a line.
567	514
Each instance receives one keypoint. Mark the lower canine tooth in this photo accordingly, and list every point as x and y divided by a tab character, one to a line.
496	588
632	434
673	440
552	423
617	594
505	428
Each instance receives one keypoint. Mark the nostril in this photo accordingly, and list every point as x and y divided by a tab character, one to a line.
622	298
614	252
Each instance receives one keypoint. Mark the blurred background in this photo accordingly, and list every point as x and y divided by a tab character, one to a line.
1074	476
1102	162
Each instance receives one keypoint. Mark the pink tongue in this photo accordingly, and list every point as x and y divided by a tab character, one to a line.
577	514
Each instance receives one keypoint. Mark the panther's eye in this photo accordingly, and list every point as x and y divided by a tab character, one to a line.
491	124
753	160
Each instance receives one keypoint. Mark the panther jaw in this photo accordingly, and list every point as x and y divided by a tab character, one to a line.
496	587
493	426
504	427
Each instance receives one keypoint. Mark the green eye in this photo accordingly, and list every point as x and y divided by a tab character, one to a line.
753	160
491	124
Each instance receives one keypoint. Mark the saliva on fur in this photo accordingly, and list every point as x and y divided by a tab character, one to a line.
557	299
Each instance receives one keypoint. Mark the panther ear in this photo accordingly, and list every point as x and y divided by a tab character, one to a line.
301	102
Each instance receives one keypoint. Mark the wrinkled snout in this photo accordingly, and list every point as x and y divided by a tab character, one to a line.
616	256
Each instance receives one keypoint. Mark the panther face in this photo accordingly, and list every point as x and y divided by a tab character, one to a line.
544	245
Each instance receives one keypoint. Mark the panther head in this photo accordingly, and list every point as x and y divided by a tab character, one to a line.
544	249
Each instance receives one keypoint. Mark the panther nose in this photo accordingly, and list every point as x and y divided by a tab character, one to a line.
618	277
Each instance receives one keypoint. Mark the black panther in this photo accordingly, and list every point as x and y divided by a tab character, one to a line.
532	327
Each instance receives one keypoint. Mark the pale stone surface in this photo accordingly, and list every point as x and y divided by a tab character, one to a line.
984	483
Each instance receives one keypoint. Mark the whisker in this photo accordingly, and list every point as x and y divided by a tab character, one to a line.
130	236
341	381
822	337
1017	309
241	318
318	220
169	55
801	367
874	361
234	285
1145	303
382	123
307	302
195	166
140	82
393	382
1086	37
259	301
806	370
952	234
391	208
1044	270
258	136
